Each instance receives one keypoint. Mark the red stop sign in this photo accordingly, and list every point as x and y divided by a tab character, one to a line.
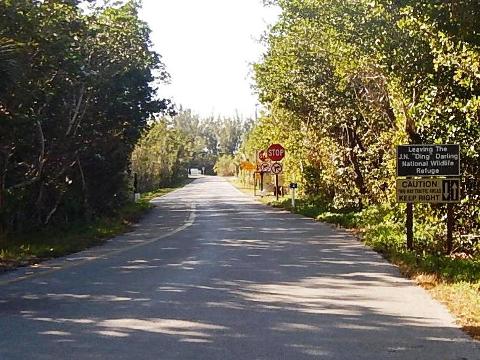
262	155
276	152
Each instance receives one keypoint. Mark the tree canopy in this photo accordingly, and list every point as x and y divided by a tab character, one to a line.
76	91
173	144
344	82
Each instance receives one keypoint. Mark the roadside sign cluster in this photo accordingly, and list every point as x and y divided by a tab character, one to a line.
268	162
428	173
269	159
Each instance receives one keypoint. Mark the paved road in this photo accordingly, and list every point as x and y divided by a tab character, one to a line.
210	274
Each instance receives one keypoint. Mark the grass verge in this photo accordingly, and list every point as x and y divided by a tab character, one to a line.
452	280
31	248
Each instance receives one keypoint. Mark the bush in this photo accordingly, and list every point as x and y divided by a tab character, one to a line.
225	166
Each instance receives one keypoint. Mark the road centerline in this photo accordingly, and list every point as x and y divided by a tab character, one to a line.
65	266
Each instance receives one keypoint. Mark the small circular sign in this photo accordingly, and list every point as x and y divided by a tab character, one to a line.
277	168
262	155
265	167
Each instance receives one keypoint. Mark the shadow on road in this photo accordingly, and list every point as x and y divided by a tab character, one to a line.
244	282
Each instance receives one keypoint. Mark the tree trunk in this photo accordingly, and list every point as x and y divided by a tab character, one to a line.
54	210
353	158
86	204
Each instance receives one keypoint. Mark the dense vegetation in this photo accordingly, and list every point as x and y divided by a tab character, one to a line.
76	91
80	118
173	144
344	82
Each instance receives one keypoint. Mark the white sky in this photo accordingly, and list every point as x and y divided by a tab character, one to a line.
207	47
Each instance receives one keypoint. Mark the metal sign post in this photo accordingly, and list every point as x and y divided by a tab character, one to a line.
293	186
450	221
276	168
409	226
276	186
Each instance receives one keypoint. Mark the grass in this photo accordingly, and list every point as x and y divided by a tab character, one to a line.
463	300
452	280
31	248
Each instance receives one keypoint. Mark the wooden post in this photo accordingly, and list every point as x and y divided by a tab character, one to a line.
409	226
135	182
449	228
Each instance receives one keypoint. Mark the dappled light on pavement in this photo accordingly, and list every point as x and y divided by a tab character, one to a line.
241	281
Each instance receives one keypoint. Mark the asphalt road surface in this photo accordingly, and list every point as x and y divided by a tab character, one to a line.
211	274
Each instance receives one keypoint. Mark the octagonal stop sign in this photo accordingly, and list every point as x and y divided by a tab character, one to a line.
262	155
276	152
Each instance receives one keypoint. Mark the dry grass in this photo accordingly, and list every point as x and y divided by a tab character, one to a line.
248	190
461	298
463	301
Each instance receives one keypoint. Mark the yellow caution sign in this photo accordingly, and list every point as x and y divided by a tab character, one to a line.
428	190
247	165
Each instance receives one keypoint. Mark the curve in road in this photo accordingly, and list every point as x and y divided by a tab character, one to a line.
211	274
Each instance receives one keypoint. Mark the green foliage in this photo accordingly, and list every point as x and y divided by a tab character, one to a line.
172	145
53	242
159	158
225	166
76	96
344	82
347	220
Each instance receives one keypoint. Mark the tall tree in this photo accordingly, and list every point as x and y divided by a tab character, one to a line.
355	78
71	117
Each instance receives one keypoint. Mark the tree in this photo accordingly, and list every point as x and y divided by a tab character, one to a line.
173	144
161	156
345	81
71	118
225	165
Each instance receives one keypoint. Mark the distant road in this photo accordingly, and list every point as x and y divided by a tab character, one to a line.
210	274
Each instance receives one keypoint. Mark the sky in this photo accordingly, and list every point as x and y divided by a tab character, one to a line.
208	47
